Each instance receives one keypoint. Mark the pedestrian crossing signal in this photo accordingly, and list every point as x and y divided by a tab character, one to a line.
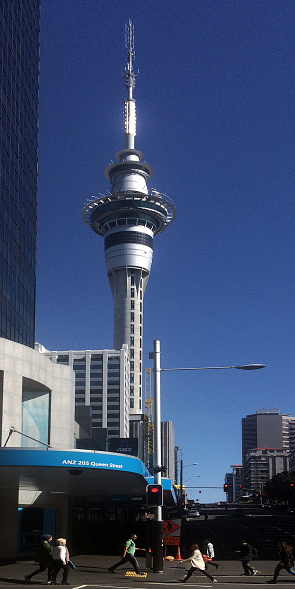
154	494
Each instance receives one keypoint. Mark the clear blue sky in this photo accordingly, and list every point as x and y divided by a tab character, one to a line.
215	108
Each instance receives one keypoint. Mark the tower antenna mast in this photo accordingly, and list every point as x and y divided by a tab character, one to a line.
129	104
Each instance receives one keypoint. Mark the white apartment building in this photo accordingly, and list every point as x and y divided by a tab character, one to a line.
261	464
101	384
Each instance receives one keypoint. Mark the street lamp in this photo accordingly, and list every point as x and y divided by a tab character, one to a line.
181	479
155	356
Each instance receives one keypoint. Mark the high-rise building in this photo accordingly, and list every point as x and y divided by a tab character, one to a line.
167	448
229	487
267	428
261	465
19	86
237	481
102	386
128	217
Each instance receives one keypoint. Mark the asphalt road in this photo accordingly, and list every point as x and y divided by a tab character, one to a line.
262	529
91	572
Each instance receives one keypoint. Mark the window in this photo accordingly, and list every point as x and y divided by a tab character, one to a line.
132	353
132	293
132	316
131	391
132	328
132	304
131	377
131	341
132	365
132	280
131	403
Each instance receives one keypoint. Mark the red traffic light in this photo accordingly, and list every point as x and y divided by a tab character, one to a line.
291	484
154	495
225	488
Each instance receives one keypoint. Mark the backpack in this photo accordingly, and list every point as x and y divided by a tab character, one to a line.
254	552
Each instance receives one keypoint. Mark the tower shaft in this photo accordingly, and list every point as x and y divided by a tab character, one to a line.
128	218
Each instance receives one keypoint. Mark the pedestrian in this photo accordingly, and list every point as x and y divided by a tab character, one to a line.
246	554
128	555
286	561
197	564
44	558
61	557
208	550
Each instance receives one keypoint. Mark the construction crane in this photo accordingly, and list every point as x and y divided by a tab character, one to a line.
148	422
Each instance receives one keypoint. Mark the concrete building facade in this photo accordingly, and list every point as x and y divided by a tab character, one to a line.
102	385
167	448
267	428
36	411
19	86
36	398
261	464
237	481
229	481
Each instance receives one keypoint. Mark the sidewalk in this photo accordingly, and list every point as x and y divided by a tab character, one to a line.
92	570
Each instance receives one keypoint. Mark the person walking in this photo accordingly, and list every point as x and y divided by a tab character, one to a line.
197	564
128	555
208	550
246	554
286	561
61	557
44	558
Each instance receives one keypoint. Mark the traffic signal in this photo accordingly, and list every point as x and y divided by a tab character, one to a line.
154	495
291	484
225	488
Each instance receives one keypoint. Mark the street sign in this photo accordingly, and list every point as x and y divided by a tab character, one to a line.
171	532
172	527
171	540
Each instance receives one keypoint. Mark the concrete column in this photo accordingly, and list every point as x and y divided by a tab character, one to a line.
9	519
62	520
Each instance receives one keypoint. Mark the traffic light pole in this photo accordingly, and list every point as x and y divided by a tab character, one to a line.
155	356
158	523
181	484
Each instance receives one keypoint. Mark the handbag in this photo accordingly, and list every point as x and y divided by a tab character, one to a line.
206	558
71	565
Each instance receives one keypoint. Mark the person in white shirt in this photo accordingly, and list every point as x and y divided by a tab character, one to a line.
209	551
61	557
197	564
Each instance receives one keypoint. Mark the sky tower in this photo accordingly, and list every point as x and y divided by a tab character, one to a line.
128	217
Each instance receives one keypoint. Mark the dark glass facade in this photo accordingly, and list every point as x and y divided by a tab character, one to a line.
19	86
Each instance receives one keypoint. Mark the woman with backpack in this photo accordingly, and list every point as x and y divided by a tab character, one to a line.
286	561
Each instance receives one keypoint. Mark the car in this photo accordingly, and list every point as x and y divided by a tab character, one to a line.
193	513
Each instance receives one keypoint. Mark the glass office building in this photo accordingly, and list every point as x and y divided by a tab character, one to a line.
19	85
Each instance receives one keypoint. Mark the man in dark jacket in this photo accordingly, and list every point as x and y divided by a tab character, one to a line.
44	558
245	555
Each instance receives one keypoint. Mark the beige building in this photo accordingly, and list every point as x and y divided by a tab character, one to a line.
262	464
